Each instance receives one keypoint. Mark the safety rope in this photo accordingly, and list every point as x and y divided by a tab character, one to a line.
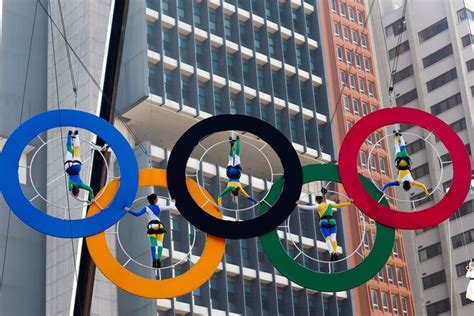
62	147
96	83
71	72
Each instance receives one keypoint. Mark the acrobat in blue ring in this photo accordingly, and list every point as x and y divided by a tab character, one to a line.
38	219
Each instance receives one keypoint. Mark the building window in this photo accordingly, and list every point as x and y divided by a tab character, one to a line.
441	80
218	96
345	33
349	56
355	105
368	68
202	97
362	85
433	30
365	109
420	171
371	88
363	162
380	276
355	37
185	91
343	76
439	307
213	21
337	30
385	301
467	40
461	268
347	103
416	146
407	97
340	53
342	9
352	81
446	104
464	300
271	43
165	6
358	61
383	169
360	18
334	6
398	50
182	12
470	65
403	74
400	277
438	55
465	13
395	304
364	41
459	125
404	306
390	274
462	239
465	209
375	300
396	27
429	252
434	279
351	14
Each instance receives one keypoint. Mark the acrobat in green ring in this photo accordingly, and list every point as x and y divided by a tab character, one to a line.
319	281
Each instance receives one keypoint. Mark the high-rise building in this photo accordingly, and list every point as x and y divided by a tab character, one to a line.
427	47
259	58
350	71
23	68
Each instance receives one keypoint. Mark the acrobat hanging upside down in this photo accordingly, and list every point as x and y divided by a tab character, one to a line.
327	223
73	165
403	164
234	172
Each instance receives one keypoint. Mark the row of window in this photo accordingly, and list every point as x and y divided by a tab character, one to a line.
348	35
433	30
464	14
389	277
439	307
438	55
393	307
351	58
376	165
348	11
363	86
396	28
296	55
355	107
462	239
434	279
442	79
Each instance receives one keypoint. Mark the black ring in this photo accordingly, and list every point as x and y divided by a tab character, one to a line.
176	177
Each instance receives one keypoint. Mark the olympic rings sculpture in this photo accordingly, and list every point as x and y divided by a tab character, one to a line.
278	205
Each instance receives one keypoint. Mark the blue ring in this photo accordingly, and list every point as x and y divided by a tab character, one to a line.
53	226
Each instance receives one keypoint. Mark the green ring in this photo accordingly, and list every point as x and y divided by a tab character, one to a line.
327	282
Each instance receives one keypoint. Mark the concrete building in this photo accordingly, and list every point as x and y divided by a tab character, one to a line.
23	66
198	59
352	74
428	47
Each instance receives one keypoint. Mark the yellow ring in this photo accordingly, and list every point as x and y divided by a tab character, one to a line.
168	288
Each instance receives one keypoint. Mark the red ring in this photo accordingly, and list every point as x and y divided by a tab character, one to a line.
393	218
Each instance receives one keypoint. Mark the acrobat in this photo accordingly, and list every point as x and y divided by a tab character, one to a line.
403	164
470	287
234	172
155	229
73	165
327	223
